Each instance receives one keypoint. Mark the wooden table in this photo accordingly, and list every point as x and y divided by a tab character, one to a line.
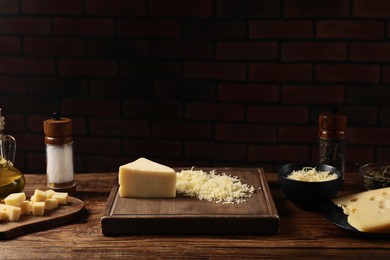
301	234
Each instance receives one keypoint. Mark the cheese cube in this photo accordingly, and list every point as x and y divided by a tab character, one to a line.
39	195
3	215
49	194
148	179
15	199
38	208
62	197
13	213
367	211
2	207
25	207
51	204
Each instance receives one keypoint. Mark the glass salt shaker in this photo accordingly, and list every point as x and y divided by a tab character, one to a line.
332	139
59	154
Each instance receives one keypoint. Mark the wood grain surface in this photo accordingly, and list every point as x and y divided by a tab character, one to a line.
189	215
52	218
302	234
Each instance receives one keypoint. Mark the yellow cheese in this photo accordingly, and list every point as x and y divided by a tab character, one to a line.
15	199
51	204
39	202
38	208
39	195
25	207
147	179
62	197
13	213
367	211
3	215
49	194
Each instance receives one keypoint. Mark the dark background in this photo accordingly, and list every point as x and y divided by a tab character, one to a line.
195	82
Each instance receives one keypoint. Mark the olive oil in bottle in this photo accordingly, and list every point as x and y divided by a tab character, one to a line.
11	179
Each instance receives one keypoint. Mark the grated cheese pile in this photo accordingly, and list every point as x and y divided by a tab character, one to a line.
212	187
310	174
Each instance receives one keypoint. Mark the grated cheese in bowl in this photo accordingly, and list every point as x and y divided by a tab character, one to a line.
211	186
310	174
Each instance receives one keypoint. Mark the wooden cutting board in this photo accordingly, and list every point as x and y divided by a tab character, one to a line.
29	223
186	215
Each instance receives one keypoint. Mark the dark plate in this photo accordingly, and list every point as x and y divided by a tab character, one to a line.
336	215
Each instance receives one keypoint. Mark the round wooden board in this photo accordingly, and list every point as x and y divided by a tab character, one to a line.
29	223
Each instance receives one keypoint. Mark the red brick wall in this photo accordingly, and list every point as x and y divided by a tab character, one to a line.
195	82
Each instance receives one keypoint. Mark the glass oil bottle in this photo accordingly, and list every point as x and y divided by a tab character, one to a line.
11	179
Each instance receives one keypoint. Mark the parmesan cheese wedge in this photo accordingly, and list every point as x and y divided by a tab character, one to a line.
147	179
367	211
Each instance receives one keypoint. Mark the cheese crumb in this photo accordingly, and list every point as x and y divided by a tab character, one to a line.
310	174
212	187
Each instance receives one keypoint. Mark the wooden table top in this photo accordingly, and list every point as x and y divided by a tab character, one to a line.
301	233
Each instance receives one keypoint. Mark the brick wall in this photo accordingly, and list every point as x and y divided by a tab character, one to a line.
195	82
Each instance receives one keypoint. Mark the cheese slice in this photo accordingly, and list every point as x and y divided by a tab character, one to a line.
146	179
367	211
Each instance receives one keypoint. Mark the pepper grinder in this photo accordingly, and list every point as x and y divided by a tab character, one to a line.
59	154
332	139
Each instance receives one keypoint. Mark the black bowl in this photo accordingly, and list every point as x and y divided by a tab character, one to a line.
308	195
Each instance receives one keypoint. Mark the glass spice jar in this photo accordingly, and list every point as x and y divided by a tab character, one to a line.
332	134
59	154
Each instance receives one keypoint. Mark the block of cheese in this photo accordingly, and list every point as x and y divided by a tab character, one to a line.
51	204
38	208
3	215
39	195
367	211
13	213
62	197
15	199
49	193
146	179
25	207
